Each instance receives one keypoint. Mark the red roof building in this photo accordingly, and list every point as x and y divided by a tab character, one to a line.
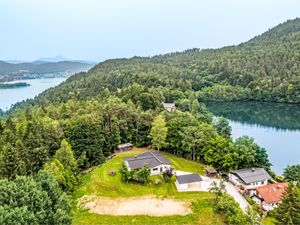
269	196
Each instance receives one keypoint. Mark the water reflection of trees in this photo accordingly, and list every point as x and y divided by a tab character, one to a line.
280	116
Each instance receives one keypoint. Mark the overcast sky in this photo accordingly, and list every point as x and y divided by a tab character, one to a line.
102	29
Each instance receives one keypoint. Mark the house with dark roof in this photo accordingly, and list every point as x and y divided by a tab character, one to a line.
249	179
188	182
269	196
153	160
169	106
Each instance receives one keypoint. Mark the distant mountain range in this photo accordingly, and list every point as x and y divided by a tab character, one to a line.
12	71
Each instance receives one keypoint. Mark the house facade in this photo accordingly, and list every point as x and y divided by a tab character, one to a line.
269	196
155	161
247	180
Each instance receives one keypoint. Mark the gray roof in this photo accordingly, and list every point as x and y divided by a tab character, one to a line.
150	159
188	178
211	170
251	175
169	105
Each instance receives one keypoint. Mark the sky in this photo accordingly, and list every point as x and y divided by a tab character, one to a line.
101	29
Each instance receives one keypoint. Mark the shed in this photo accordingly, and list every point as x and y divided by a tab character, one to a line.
125	147
211	172
188	182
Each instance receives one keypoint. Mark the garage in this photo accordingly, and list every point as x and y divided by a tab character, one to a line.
188	182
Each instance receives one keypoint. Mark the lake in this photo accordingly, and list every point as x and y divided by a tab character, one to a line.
13	95
276	127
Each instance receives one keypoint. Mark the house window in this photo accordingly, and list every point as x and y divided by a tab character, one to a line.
154	169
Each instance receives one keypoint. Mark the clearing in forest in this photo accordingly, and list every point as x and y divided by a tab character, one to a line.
144	205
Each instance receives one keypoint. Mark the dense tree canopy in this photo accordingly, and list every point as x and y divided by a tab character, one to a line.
292	173
33	200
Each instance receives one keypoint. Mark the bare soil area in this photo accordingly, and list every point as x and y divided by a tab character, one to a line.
145	205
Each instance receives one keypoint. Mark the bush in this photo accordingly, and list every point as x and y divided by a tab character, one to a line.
140	176
168	175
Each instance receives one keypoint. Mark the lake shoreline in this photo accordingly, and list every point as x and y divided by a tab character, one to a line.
11	96
274	126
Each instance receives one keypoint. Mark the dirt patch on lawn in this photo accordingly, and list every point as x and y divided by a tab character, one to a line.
145	205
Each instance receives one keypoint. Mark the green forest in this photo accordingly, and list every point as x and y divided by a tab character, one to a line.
46	143
266	68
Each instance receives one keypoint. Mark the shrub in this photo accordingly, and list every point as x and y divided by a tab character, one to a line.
140	176
126	174
168	175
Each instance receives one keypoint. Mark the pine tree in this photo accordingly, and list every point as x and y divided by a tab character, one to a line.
9	162
288	211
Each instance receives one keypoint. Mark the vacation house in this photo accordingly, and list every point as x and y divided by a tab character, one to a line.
249	179
153	160
169	106
269	196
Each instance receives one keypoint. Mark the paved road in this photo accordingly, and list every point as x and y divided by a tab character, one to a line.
231	190
238	197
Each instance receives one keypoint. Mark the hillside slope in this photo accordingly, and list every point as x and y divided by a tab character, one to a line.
266	68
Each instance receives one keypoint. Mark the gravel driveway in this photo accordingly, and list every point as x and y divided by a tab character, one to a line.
238	197
230	188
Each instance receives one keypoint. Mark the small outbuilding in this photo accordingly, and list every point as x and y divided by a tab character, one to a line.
211	172
125	147
188	182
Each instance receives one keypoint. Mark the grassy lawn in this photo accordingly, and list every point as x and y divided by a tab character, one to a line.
100	183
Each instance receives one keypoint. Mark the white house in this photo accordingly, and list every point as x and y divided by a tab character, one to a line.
249	179
169	106
269	196
153	160
188	182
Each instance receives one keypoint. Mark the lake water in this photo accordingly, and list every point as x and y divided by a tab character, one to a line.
276	127
13	95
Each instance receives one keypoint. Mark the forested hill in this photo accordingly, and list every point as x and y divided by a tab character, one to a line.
282	31
266	68
12	71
